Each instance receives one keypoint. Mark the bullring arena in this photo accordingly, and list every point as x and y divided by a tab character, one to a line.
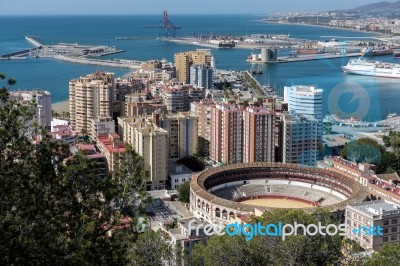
222	193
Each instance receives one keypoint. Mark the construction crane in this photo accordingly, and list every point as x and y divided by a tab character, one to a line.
167	29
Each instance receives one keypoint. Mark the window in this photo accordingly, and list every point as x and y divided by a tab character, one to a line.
394	237
394	229
394	221
385	239
355	216
385	222
385	230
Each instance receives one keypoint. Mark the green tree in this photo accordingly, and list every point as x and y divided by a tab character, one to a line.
130	182
270	250
388	255
221	251
184	192
202	149
151	249
363	150
54	209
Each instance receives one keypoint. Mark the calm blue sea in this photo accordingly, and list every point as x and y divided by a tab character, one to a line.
365	97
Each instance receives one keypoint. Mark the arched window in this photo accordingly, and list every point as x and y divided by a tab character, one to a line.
231	215
224	215
217	213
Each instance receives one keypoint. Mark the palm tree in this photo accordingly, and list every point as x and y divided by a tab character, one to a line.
84	134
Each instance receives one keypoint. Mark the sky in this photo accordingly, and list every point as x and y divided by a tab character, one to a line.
97	7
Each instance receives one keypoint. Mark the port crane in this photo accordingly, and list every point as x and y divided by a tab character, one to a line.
167	29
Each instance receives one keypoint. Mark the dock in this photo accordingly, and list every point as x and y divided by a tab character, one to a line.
257	89
130	64
135	38
32	40
190	42
303	58
72	52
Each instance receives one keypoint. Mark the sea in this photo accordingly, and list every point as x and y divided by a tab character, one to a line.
366	98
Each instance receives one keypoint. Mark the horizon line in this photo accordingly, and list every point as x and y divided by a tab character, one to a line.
131	14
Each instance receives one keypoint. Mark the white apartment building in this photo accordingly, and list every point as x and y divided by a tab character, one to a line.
373	213
43	104
306	101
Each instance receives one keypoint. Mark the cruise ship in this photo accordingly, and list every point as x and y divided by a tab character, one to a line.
372	68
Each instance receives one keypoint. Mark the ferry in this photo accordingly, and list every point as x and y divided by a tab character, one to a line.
372	68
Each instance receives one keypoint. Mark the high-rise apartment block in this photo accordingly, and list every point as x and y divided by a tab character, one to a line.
258	135
101	126
113	149
379	214
43	104
178	97
125	87
280	108
226	133
127	126
182	131
306	101
90	97
201	76
202	110
151	145
183	61
135	106
241	134
299	139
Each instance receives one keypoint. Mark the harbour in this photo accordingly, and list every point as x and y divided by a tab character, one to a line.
29	73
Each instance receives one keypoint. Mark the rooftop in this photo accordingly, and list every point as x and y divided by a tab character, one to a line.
375	207
389	177
259	110
112	143
304	88
177	169
185	223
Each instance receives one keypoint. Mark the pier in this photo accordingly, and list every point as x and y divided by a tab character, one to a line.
255	86
72	52
135	38
131	64
302	58
190	42
18	55
32	40
238	44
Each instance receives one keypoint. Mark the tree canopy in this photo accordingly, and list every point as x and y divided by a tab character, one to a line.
54	209
363	150
268	250
184	192
389	254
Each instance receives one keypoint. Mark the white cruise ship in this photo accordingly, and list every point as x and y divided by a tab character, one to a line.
372	68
